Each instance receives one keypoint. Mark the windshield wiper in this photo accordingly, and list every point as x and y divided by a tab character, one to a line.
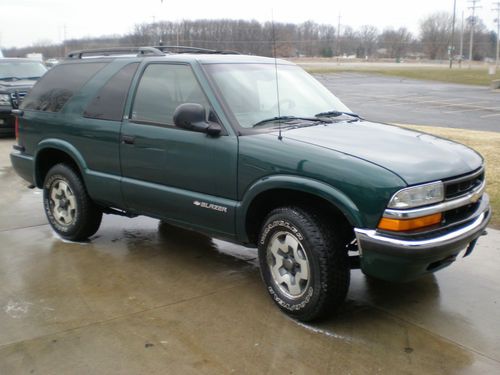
337	114
287	119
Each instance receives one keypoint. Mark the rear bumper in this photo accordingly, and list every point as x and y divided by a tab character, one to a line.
23	165
404	259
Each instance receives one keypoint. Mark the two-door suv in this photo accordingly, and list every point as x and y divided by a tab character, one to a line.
253	150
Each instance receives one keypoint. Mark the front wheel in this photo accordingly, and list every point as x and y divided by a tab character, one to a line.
69	209
303	263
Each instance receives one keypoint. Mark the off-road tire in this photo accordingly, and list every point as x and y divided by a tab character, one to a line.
329	270
86	215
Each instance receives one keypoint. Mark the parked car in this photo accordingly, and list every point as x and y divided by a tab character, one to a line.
17	77
255	151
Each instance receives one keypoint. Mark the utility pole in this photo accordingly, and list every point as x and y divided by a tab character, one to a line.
461	42
65	36
338	41
497	20
473	6
451	47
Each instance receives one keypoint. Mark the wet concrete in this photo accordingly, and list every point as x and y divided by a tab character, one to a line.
141	297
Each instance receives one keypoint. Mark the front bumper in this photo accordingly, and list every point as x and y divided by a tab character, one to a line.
405	258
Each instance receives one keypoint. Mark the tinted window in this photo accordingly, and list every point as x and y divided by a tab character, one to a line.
109	102
162	88
58	85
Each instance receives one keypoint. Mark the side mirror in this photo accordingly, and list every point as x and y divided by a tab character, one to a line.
192	116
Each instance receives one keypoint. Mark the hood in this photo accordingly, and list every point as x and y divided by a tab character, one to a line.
17	85
414	156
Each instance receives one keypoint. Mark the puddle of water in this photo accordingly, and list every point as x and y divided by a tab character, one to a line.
17	309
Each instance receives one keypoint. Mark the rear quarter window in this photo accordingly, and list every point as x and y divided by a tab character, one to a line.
109	102
58	85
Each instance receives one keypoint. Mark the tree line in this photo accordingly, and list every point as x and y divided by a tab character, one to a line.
291	40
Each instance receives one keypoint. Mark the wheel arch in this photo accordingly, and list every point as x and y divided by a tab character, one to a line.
53	151
277	191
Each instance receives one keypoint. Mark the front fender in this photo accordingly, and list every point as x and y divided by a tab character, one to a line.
297	183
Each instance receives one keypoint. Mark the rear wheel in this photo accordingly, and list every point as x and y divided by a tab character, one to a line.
303	264
69	209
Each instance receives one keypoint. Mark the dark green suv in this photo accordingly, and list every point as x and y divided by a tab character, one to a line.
254	151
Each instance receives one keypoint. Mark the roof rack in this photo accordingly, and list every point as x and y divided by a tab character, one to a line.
99	52
145	51
188	49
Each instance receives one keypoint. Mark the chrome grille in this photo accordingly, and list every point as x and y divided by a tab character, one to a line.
459	186
17	98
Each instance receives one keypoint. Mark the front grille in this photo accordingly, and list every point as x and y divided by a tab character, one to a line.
460	213
459	186
17	98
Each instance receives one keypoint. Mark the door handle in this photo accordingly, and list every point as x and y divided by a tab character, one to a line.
128	139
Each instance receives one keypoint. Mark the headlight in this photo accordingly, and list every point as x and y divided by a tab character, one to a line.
416	196
5	99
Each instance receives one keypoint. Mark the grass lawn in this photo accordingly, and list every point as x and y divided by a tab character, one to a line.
474	76
488	145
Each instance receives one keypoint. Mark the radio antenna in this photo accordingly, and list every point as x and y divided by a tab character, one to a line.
276	75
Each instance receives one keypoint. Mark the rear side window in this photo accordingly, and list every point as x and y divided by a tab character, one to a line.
109	102
58	85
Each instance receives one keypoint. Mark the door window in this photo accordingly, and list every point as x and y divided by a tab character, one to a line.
162	89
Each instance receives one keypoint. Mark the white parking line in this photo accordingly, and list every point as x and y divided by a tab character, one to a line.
474	109
438	101
405	101
461	104
492	115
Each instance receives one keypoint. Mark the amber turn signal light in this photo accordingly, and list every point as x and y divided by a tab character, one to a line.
400	225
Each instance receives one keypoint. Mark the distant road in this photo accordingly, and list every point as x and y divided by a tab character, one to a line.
407	101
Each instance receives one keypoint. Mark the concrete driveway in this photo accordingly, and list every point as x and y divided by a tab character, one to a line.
147	298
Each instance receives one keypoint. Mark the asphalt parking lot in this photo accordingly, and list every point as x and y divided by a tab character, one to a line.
141	297
407	101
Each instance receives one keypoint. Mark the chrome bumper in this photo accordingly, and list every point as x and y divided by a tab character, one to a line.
370	239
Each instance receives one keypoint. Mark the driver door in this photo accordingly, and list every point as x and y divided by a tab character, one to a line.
167	172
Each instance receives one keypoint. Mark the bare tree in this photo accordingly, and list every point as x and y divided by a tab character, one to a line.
435	34
396	42
368	35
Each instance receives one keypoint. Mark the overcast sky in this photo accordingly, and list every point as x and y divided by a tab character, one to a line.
24	22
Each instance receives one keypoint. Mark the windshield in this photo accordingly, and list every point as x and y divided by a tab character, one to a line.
21	69
250	92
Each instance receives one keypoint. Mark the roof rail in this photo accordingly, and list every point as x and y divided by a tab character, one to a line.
188	49
101	52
